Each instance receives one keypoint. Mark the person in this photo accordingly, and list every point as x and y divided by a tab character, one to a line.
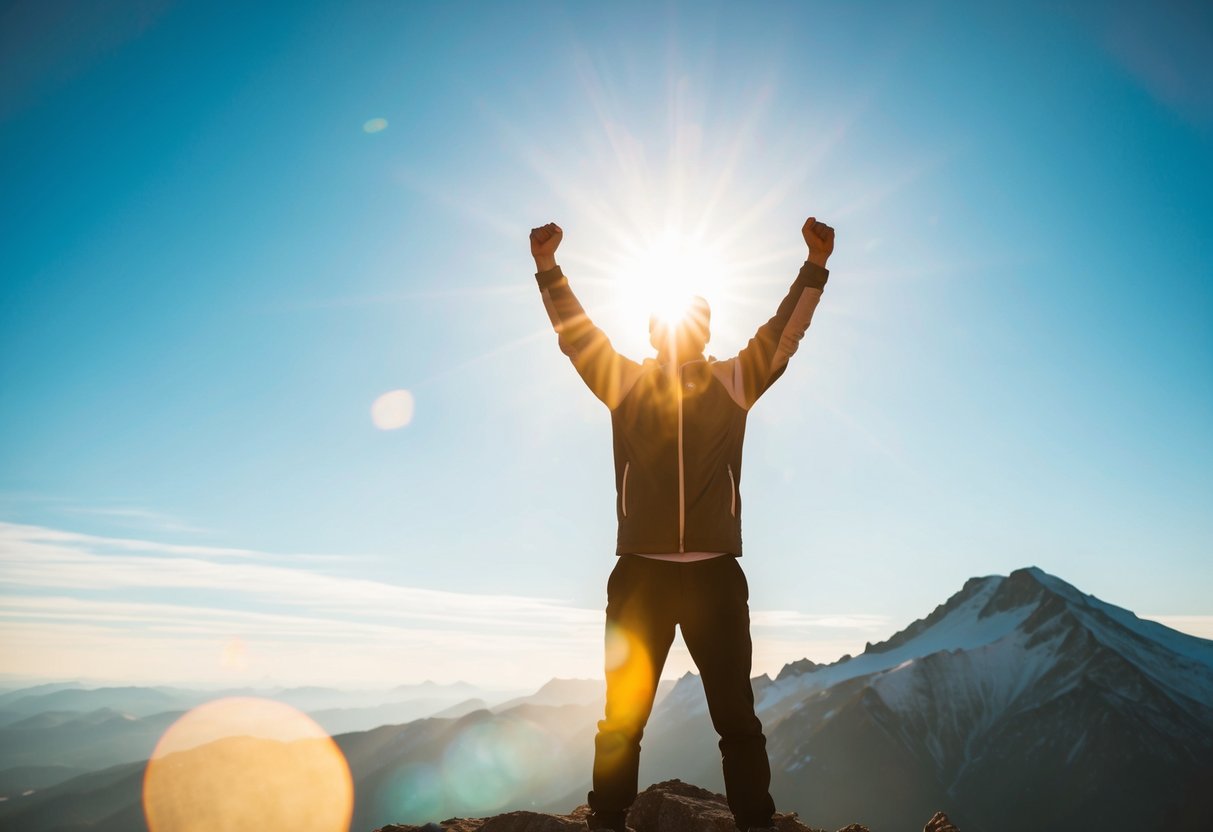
678	421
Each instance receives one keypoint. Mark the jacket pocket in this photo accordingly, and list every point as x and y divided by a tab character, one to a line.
732	492
623	495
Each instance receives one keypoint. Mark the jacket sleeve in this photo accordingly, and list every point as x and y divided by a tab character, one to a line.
765	357
607	373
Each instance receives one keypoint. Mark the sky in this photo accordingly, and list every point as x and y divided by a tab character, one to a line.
230	230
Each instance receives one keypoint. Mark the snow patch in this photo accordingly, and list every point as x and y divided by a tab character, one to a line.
960	629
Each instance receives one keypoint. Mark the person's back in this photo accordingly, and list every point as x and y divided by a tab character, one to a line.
678	423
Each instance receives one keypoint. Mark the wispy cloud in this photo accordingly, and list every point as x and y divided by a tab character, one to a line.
45	559
118	513
77	604
139	517
88	605
795	620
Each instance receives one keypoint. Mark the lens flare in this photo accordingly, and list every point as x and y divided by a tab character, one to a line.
495	762
392	410
374	125
672	310
243	764
630	674
663	275
234	655
413	793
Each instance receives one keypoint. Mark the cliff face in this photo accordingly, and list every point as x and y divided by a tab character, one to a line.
671	806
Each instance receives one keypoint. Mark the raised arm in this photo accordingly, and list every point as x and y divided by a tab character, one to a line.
607	373
765	357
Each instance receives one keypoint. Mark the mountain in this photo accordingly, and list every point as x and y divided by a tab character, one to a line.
135	700
461	709
99	801
1019	702
345	720
560	692
18	691
530	754
91	740
21	779
91	728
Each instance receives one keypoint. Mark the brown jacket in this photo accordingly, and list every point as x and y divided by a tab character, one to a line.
678	445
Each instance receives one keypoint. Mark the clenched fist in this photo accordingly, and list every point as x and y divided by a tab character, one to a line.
544	241
820	239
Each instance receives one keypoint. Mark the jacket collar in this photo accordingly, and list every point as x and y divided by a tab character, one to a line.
699	359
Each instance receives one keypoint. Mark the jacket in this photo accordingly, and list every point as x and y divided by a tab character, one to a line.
678	432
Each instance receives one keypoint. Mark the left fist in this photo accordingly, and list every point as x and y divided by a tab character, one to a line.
820	239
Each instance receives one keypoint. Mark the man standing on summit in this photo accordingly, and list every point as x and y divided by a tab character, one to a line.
678	422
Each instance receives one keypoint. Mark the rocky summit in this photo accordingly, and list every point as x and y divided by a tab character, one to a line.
670	806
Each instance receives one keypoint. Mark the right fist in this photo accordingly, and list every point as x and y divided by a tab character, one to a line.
545	240
820	239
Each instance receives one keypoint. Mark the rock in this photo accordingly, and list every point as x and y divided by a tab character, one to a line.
533	822
670	806
521	821
939	823
674	806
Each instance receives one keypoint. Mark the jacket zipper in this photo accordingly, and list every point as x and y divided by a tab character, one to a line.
624	497
732	492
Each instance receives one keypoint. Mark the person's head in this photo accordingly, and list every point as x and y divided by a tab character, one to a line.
682	332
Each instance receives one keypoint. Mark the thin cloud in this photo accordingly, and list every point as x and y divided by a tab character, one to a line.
793	619
140	517
20	533
38	558
78	604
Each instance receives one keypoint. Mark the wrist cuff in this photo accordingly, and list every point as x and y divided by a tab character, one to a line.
549	277
813	275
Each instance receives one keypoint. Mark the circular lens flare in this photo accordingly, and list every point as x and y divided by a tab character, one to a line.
393	410
243	764
630	670
495	762
413	793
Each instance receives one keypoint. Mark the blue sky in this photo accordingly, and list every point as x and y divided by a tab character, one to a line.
213	265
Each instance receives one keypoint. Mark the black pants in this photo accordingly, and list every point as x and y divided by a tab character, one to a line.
709	600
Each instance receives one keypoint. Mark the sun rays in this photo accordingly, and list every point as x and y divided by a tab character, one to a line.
697	190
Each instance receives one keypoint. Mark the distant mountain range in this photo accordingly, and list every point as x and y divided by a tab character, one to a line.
52	732
1018	703
136	701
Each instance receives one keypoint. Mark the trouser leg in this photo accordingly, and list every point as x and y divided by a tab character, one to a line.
639	631
716	627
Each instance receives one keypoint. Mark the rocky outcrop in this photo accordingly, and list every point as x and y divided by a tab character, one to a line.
671	806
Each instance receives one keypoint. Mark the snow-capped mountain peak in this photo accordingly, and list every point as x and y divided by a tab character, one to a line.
1020	689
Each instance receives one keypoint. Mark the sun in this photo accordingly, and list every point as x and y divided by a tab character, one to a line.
662	274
